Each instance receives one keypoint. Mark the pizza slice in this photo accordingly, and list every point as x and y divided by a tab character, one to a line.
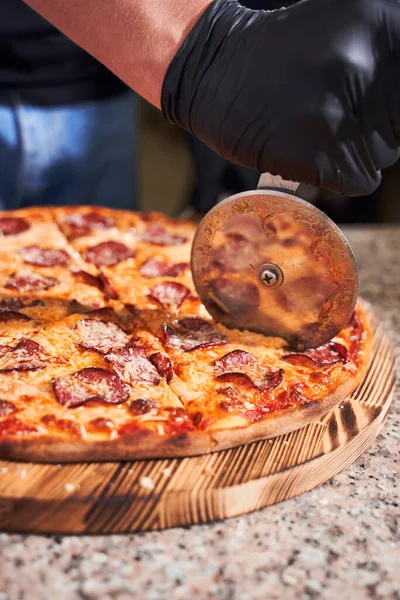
239	386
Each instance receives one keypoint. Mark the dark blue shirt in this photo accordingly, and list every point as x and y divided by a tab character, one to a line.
42	66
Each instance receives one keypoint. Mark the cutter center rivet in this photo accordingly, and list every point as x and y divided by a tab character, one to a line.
270	275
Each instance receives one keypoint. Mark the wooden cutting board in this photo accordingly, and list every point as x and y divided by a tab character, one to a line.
158	494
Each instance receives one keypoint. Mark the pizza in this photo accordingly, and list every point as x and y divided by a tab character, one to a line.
107	353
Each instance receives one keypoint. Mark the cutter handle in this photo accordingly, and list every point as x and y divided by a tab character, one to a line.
275	182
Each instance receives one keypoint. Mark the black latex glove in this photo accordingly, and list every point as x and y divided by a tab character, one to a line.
311	92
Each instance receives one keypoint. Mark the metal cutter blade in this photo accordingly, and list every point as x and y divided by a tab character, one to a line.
270	262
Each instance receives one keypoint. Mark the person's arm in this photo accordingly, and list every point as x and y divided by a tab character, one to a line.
136	39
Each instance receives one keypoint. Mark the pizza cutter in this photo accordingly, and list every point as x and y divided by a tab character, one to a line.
269	261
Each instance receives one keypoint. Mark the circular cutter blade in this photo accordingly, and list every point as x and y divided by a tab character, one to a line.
270	262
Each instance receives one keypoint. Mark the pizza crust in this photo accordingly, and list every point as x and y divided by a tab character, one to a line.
141	444
144	444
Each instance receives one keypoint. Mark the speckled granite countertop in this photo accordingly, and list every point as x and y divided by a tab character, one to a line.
338	541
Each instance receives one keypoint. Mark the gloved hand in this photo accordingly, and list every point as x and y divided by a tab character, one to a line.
311	92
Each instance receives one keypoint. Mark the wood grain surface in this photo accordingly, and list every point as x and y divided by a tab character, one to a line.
158	494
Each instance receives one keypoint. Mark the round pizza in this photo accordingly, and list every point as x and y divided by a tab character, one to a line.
107	353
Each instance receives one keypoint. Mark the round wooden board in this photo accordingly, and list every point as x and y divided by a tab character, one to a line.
112	497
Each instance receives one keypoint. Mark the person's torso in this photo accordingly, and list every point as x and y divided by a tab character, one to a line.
42	66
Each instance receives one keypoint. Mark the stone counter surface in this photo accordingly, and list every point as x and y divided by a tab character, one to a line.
338	541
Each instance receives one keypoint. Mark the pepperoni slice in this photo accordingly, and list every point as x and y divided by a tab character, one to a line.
107	254
25	281
237	296
356	326
163	365
26	356
100	336
91	384
329	354
301	360
177	269
237	359
242	367
190	334
12	315
160	236
44	257
294	395
14	426
153	268
157	268
169	294
82	224
7	408
13	225
133	366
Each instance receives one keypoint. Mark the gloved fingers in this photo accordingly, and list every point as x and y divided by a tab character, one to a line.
383	153
351	171
357	176
328	154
